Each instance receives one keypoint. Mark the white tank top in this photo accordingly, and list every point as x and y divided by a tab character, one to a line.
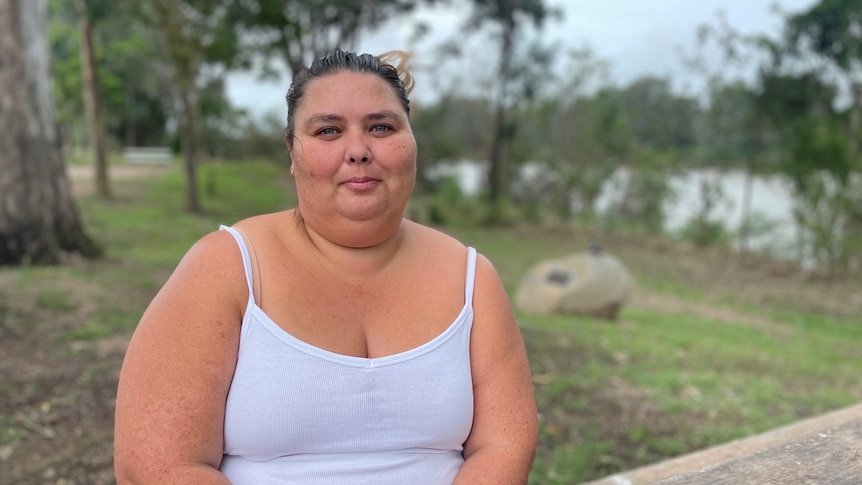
299	414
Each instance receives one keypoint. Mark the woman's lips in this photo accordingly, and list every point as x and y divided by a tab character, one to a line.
361	183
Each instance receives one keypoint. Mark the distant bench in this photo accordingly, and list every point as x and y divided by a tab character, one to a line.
147	155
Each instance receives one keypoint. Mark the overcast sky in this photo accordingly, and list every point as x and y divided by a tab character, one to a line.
637	38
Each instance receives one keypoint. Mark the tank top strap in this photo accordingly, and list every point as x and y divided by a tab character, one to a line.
246	260
471	276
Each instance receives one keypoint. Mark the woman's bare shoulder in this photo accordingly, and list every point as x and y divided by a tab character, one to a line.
431	238
272	222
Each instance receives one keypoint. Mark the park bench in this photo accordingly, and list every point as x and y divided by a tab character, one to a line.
147	155
823	449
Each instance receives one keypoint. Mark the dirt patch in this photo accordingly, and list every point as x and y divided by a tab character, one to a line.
57	392
646	300
83	177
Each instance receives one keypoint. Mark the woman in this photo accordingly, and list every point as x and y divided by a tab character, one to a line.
336	342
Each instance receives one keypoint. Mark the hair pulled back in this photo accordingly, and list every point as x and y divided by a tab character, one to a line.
390	66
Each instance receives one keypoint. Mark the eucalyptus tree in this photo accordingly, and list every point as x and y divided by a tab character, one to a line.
38	217
197	40
87	14
508	18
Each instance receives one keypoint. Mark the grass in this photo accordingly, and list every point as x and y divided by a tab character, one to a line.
739	351
662	382
146	233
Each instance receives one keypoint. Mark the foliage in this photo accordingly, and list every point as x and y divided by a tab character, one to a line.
199	45
703	229
568	122
832	28
446	205
130	80
640	193
573	141
827	148
822	165
516	79
657	118
297	31
727	133
450	129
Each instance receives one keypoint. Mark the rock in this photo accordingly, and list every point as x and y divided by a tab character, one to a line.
593	283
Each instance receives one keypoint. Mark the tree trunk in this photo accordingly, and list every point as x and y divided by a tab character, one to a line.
748	190
497	168
191	145
92	104
38	217
184	45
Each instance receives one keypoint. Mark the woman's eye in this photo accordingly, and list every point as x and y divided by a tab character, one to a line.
327	131
380	128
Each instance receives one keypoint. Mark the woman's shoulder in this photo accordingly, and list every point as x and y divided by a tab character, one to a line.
268	222
430	238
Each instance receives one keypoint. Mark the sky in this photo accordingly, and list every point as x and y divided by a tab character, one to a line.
636	37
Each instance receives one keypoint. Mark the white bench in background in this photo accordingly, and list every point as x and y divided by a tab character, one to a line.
147	155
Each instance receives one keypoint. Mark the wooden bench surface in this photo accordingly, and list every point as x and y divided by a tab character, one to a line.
825	449
832	456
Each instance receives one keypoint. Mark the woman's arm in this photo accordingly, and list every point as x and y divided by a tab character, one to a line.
169	423
502	443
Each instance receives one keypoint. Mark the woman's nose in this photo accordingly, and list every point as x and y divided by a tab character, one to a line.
358	151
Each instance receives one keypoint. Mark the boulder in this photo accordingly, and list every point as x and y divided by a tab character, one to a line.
591	283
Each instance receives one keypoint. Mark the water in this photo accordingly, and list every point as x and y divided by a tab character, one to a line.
770	204
771	200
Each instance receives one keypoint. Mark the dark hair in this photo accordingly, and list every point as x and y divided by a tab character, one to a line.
397	75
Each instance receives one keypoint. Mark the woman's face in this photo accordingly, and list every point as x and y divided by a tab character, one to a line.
353	154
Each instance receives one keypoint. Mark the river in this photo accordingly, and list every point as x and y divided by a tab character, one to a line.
771	201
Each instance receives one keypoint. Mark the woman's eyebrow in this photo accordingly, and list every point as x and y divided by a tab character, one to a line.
324	118
381	115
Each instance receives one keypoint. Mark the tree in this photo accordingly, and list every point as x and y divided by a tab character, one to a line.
509	17
90	91
446	130
82	13
730	131
128	73
38	217
196	37
818	161
575	139
825	162
299	30
656	117
832	29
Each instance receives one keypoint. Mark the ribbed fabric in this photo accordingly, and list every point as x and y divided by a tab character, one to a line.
299	414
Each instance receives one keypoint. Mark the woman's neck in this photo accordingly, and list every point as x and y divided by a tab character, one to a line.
356	257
